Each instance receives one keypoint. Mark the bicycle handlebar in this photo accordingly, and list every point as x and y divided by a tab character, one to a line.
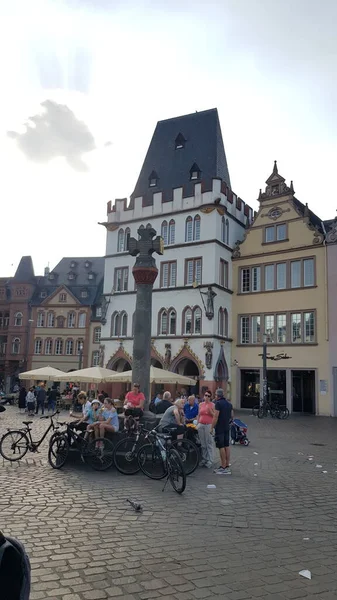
50	416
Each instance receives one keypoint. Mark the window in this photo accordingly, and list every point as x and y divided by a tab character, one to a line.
120	241
180	141
275	233
95	358
18	319
172	232
115	324
153	179
82	320
97	335
43	294
91	275
69	347
269	328
168	274
309	327
197	320
296	329
163	323
164	232
244	330
73	264
256	279
281	329
121	279
40	319
281	276
126	238
71	319
245	280
124	324
63	297
98	311
223	280
308	272
196	228
71	276
172	322
225	231
79	347
223	322
193	268
38	346
167	322
60	322
187	321
58	346
194	172
16	346
188	229
295	274
256	329
84	293
48	347
269	282
6	320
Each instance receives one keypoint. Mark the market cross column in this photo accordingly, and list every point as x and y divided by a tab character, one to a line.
145	273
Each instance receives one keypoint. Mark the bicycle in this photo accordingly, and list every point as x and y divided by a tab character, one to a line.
275	411
163	459
20	440
97	453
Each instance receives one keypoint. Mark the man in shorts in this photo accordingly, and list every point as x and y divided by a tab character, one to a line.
221	425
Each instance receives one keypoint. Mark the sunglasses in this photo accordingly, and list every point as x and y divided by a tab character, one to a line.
208	395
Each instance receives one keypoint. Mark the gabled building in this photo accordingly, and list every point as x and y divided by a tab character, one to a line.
184	192
331	250
280	292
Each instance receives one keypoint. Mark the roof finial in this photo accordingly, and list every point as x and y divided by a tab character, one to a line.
275	171
292	187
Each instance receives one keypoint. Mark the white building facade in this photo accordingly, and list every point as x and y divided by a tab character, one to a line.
192	295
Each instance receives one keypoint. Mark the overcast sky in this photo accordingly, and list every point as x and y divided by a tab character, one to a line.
85	81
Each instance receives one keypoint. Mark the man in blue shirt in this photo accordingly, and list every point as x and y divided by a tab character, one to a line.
221	425
191	409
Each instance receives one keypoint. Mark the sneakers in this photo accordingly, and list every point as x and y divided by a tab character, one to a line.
223	471
202	463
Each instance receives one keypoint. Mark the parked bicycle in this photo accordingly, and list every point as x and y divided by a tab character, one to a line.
16	442
159	459
97	453
273	408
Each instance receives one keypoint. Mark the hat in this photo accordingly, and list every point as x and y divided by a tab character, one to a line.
95	402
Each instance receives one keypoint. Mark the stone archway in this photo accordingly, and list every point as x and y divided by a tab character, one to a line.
156	363
120	365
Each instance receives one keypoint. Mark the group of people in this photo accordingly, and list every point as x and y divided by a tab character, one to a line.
97	417
35	399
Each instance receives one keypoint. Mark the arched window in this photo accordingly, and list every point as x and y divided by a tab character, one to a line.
223	322
126	238
71	319
197	320
124	324
172	232
40	319
120	241
187	321
48	347
38	346
16	346
50	319
189	229
163	322
196	228
79	347
97	335
82	320
164	232
18	319
69	347
225	230
59	346
172	322
115	320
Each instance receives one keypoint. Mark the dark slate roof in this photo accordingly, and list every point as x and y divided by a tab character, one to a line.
76	285
314	219
203	145
25	271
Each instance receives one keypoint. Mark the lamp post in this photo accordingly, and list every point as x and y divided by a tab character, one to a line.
80	357
264	387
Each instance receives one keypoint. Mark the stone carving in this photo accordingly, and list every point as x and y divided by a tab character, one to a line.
208	354
168	354
275	213
209	307
146	246
101	356
331	237
236	250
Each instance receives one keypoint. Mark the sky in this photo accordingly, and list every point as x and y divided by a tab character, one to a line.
84	83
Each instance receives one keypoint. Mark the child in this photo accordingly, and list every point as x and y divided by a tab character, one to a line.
30	400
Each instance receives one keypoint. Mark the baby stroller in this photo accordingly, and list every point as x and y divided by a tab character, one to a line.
239	433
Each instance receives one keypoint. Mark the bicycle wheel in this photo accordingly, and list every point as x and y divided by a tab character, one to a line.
283	412
261	413
189	454
98	454
255	410
176	473
126	456
58	451
151	462
14	445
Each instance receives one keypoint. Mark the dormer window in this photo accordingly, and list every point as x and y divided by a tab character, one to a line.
84	293
71	276
91	275
43	294
153	179
73	264
51	276
195	172
180	141
87	264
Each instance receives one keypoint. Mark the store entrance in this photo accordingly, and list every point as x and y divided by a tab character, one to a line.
303	392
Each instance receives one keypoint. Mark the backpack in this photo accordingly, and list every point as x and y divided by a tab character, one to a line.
23	567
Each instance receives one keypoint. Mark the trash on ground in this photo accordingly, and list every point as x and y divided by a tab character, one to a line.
211	486
256	453
310	458
255	475
318	466
300	453
137	507
306	539
256	464
324	471
305	573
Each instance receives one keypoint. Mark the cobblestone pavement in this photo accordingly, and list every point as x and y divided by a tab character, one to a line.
248	538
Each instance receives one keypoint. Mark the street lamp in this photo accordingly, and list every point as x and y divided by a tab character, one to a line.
264	386
80	358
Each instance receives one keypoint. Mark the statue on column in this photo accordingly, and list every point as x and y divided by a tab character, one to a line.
209	307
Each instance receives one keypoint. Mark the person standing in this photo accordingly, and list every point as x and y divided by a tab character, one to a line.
30	400
223	415
22	400
52	398
205	420
40	399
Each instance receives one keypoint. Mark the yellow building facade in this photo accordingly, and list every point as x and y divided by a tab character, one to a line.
280	295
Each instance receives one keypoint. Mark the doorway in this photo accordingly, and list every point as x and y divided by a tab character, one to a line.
303	392
189	368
